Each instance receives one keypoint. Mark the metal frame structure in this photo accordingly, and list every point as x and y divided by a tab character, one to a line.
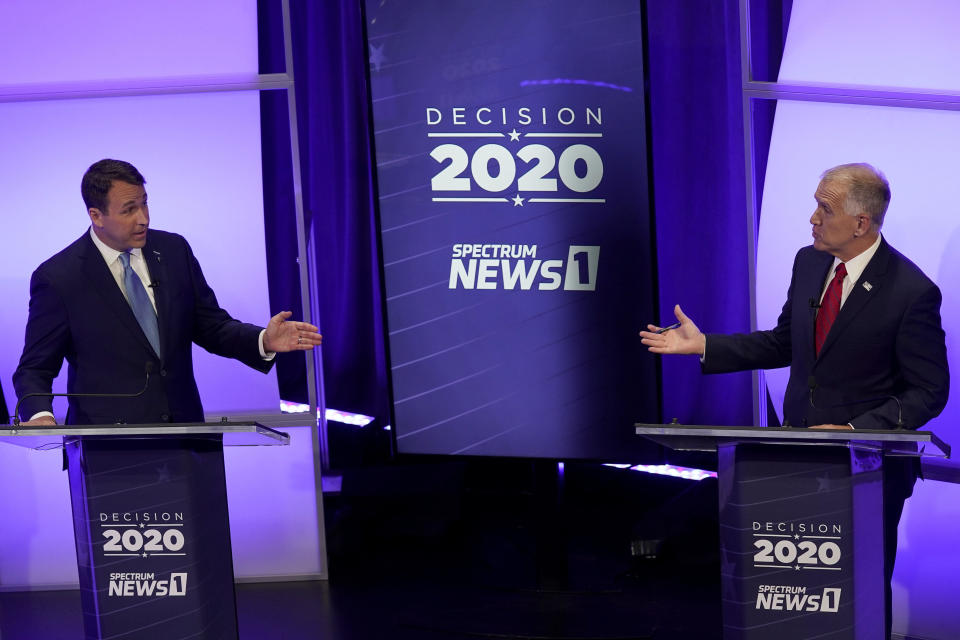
315	397
234	82
808	92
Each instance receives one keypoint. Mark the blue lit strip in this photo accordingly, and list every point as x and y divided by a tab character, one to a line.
592	83
333	415
668	470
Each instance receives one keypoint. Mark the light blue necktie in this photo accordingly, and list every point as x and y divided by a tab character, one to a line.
140	303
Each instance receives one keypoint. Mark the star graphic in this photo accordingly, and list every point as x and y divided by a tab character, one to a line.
376	56
514	136
796	536
144	554
517	201
729	584
823	483
142	525
727	565
797	567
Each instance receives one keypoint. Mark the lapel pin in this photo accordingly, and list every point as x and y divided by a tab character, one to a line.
867	286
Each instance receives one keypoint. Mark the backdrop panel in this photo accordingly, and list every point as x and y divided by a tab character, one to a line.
515	225
200	155
54	41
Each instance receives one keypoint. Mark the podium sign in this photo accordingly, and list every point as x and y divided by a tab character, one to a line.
151	525
153	537
801	526
801	542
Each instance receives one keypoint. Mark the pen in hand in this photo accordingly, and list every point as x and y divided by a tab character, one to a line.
665	329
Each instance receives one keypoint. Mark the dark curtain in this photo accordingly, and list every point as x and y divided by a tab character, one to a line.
329	72
699	195
698	179
280	224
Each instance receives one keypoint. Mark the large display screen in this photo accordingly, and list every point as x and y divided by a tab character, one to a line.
514	225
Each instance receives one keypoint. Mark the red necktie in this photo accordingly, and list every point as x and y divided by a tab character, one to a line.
830	306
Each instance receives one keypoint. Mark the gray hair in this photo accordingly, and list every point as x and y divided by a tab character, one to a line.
868	191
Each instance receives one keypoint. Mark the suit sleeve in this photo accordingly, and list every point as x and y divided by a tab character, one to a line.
923	376
219	333
46	344
769	349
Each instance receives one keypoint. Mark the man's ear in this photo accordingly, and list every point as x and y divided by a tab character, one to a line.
95	215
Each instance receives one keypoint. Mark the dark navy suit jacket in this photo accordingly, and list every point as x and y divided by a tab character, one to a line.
886	341
78	313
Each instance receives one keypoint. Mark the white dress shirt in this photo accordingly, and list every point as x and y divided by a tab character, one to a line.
855	267
112	258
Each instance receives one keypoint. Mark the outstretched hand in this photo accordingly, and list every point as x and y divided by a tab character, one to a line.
283	335
687	338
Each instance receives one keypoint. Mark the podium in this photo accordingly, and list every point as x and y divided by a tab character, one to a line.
150	523
801	525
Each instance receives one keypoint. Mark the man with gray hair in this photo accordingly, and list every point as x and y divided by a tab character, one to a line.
860	331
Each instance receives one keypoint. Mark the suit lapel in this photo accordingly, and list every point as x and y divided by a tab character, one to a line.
810	295
860	295
158	271
102	282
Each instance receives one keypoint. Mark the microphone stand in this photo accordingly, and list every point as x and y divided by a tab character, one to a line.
148	369
812	383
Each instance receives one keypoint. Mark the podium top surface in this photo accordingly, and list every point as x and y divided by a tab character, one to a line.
234	433
708	438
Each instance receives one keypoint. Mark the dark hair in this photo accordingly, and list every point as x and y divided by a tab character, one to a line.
99	178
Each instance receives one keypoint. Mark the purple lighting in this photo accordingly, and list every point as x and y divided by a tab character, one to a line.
333	415
687	473
215	199
592	83
158	39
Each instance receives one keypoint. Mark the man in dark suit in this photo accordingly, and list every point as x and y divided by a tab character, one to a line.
123	307
860	331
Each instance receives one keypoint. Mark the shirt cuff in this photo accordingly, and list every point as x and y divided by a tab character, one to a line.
40	414
268	356
703	356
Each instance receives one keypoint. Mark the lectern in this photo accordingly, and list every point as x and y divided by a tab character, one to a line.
150	522
801	525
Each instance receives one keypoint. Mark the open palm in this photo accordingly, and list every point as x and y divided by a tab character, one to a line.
686	339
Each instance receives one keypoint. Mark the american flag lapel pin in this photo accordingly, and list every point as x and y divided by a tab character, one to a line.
867	286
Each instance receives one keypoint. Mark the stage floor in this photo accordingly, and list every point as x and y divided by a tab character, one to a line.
417	610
